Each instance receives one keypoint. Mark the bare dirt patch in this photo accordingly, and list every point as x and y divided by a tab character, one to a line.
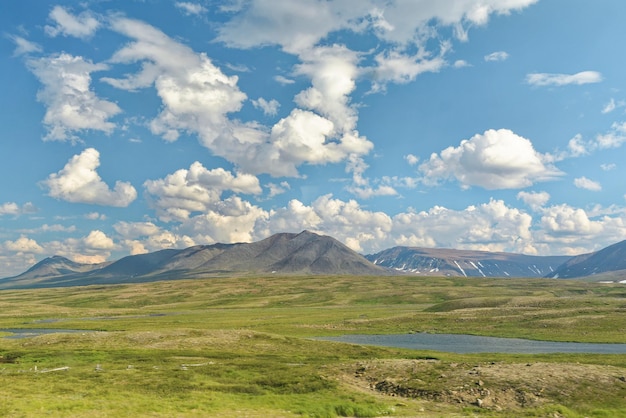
496	386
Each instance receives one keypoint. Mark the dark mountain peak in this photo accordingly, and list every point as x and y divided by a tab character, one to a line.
609	259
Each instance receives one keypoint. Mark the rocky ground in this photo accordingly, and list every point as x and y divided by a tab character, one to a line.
496	386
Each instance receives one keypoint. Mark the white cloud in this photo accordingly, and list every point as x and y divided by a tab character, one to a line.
411	159
608	167
490	226
546	79
587	184
189	8
397	67
612	105
609	107
283	80
612	139
461	64
98	240
23	245
277	189
24	46
184	192
12	208
536	200
269	108
360	185
497	56
497	159
71	104
79	182
197	98
83	25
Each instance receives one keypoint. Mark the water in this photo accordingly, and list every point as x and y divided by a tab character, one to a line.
460	343
18	333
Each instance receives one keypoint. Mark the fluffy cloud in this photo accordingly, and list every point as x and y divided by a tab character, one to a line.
180	194
79	182
71	104
12	208
83	25
492	226
536	200
197	98
269	108
497	159
587	184
546	79
23	245
298	25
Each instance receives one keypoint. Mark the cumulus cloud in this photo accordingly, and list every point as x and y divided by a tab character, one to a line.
496	159
546	79
197	189
83	25
79	182
587	184
536	200
269	108
277	189
12	208
496	56
23	245
411	159
198	97
491	226
72	106
461	64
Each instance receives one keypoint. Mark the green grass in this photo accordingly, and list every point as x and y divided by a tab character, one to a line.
238	346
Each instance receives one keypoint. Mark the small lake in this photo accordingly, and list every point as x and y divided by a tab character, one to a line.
460	343
17	333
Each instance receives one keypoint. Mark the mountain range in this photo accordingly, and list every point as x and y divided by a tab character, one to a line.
308	253
449	262
285	253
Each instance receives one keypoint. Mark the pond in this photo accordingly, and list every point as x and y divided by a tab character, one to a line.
17	333
460	343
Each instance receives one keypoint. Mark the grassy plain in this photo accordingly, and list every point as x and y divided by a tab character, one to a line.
234	347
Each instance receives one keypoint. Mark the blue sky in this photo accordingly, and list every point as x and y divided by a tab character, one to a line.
133	126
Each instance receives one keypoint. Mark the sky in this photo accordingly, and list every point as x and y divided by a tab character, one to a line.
131	126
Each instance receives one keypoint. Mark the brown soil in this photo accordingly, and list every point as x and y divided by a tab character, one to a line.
506	387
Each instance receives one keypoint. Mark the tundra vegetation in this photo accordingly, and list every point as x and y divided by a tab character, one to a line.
241	346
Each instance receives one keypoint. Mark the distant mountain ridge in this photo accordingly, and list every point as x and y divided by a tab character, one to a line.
465	263
308	253
285	253
611	259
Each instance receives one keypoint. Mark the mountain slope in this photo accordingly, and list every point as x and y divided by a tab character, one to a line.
449	262
303	253
609	259
50	268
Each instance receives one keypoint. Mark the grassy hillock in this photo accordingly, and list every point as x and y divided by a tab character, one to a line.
232	347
